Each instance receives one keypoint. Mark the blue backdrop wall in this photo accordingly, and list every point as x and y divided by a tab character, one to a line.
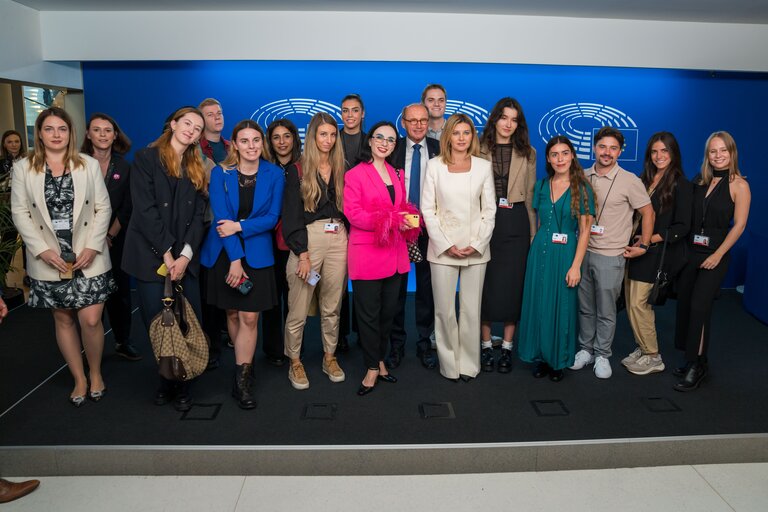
570	100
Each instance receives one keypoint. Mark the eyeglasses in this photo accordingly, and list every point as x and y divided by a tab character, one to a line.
384	140
416	121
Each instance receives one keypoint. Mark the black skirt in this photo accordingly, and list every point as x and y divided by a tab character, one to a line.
505	273
262	297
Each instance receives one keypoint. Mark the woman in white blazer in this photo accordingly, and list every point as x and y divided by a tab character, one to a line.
61	208
458	203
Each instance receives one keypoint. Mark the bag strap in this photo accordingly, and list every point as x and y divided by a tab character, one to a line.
168	301
663	250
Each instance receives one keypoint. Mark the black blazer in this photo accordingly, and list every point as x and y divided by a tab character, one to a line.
677	219
167	213
119	189
398	157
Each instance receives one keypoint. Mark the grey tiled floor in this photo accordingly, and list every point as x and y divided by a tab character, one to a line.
724	487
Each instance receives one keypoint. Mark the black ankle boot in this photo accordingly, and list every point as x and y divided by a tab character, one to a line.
241	387
693	377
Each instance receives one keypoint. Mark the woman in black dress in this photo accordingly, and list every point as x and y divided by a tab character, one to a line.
671	197
506	144
106	142
721	195
246	193
61	209
168	182
285	149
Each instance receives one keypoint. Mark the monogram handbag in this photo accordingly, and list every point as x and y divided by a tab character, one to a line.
178	341
662	285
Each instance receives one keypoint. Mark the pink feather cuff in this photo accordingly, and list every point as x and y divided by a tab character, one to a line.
387	221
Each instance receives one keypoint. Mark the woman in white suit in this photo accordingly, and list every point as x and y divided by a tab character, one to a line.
61	208
458	203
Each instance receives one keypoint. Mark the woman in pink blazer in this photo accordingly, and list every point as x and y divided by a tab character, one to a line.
375	205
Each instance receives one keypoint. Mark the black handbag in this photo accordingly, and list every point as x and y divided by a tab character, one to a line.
662	285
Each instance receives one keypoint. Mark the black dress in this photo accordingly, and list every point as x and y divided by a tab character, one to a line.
697	287
263	296
505	273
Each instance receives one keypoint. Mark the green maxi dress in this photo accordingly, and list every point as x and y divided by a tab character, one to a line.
549	321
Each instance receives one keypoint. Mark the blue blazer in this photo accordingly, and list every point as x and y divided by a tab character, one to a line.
257	228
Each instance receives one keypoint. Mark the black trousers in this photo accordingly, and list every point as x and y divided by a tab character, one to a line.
272	319
697	290
424	306
212	319
118	305
375	306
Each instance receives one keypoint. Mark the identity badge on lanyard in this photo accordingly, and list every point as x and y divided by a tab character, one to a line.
558	237
504	203
331	227
596	229
702	239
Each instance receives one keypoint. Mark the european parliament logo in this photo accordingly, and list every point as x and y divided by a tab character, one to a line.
297	110
581	121
476	113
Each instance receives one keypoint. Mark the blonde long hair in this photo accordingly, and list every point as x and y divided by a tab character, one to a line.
191	161
733	167
310	162
446	152
72	158
233	157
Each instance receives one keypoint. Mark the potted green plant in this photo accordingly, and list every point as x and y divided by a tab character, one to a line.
9	244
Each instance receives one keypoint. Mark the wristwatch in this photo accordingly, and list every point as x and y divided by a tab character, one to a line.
643	247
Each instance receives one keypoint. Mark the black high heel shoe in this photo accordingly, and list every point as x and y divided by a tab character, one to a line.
364	390
77	401
387	378
95	396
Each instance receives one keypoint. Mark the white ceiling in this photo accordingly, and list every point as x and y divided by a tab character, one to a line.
719	11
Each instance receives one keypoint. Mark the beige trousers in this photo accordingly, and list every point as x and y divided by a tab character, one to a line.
458	340
641	315
328	257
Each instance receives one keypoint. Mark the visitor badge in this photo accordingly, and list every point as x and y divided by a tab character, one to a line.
60	224
331	227
559	238
701	240
597	230
504	203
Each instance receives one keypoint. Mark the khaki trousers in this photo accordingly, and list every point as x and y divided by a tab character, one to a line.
458	341
641	315
328	257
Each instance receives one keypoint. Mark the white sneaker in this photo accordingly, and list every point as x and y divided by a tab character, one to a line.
582	359
603	368
631	358
647	364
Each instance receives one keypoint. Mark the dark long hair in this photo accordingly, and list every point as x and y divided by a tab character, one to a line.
580	189
367	153
520	139
295	150
22	146
122	143
666	186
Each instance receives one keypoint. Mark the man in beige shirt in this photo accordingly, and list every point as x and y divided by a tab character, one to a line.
619	194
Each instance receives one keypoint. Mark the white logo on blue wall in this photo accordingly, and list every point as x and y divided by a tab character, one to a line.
297	110
476	113
581	121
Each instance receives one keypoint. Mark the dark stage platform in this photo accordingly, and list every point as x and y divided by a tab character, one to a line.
422	424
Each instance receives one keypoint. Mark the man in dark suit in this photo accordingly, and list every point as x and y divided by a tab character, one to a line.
411	155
